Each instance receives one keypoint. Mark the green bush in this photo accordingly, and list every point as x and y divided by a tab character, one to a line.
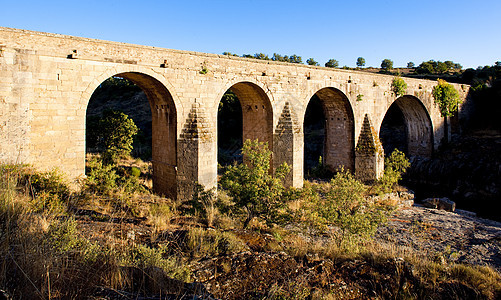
101	178
394	167
398	86
202	242
107	178
254	191
342	203
203	204
143	257
51	182
321	171
447	98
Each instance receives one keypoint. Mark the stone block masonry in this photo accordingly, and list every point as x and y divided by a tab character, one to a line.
46	81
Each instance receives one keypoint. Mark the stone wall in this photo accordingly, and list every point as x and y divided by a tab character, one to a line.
46	81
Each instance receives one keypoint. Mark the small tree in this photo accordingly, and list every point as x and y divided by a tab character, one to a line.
332	63
398	86
255	192
410	65
261	56
447	98
115	136
387	65
278	57
310	61
360	62
295	59
394	167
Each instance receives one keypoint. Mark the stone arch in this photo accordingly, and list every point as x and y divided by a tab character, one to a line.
164	124
257	110
339	142
418	125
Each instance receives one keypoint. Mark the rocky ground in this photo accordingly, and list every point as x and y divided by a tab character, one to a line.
456	236
267	270
443	236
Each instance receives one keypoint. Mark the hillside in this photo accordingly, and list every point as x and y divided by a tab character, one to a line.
125	243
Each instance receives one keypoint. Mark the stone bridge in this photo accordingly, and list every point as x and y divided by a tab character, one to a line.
46	81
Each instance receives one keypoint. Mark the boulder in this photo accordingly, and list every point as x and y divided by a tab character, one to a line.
440	203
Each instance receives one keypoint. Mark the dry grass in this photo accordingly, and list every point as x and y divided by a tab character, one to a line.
50	254
47	256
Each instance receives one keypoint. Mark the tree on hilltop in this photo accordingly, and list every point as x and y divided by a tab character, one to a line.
387	65
332	63
310	61
360	62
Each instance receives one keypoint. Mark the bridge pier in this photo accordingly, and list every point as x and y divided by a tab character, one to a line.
197	154
288	144
369	154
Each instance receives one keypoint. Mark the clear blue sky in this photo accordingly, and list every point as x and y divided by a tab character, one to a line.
466	32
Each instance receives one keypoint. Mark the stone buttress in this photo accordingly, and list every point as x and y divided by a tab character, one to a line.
369	154
195	154
288	146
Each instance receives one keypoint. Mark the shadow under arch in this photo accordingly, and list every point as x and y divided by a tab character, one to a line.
164	130
339	129
407	126
257	112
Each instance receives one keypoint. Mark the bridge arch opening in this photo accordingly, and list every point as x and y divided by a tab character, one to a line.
329	136
244	112
407	127
148	102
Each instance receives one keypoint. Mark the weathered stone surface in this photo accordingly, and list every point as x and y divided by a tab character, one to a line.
369	154
397	199
46	81
447	235
440	203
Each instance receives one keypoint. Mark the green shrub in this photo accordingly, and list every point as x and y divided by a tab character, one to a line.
62	235
211	242
203	204
106	179
128	183
51	182
447	98
342	203
143	257
254	191
398	86
101	178
48	191
395	165
135	172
